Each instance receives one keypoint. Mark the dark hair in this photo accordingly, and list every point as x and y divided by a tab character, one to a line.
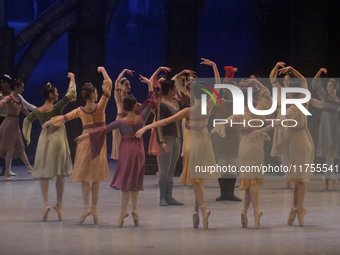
7	78
290	74
335	83
47	90
16	83
87	90
128	103
167	85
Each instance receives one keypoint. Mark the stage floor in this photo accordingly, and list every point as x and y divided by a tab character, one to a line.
165	230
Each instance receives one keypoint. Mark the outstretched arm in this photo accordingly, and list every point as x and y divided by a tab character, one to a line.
317	84
296	73
217	77
185	113
102	70
274	73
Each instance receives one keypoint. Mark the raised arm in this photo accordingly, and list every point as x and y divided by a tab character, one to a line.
62	119
147	81
178	80
70	96
117	84
317	84
274	72
297	75
102	70
217	77
185	113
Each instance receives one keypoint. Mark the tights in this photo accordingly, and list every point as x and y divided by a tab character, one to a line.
59	185
87	189
125	201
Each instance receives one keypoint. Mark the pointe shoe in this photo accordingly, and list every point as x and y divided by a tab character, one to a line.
59	211
325	180
287	184
301	214
205	219
135	218
196	219
257	217
12	174
84	216
46	212
292	216
7	178
95	215
244	219
334	181
121	219
30	170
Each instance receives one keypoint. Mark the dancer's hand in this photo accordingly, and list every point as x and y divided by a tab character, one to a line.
100	69
165	147
250	81
284	70
255	134
45	125
324	70
70	75
81	138
165	69
281	64
140	132
207	62
143	79
235	69
187	71
129	72
213	131
266	137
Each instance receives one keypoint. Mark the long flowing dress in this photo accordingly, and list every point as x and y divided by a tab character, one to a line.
87	169
10	134
53	156
329	130
129	175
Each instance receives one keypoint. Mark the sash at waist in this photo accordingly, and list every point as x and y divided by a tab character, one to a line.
94	125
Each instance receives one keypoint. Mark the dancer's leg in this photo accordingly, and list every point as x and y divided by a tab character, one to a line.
293	210
199	197
59	185
159	164
8	159
134	199
285	158
86	189
254	197
44	186
330	174
123	212
301	211
24	158
95	196
166	163
247	200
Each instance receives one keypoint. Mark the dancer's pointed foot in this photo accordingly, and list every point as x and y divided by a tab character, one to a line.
301	213
85	214
95	215
244	219
30	169
12	174
257	217
7	177
121	219
292	216
46	212
59	210
205	219
135	217
196	219
325	180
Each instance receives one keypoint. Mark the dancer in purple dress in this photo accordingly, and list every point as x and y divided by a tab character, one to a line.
129	175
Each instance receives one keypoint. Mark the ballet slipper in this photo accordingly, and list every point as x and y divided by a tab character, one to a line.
84	216
287	184
135	218
334	181
244	219
95	215
59	210
257	217
301	213
325	180
196	219
292	216
30	169
7	176
121	219
205	219
11	173
46	212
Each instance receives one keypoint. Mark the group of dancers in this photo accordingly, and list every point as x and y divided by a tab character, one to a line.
177	106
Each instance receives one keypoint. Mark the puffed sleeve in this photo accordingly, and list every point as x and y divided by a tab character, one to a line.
264	102
27	126
107	88
72	91
149	104
62	119
317	85
292	112
29	106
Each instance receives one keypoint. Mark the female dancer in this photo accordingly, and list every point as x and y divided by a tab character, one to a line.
251	151
201	148
87	170
11	142
280	139
301	148
122	88
53	153
329	131
129	175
